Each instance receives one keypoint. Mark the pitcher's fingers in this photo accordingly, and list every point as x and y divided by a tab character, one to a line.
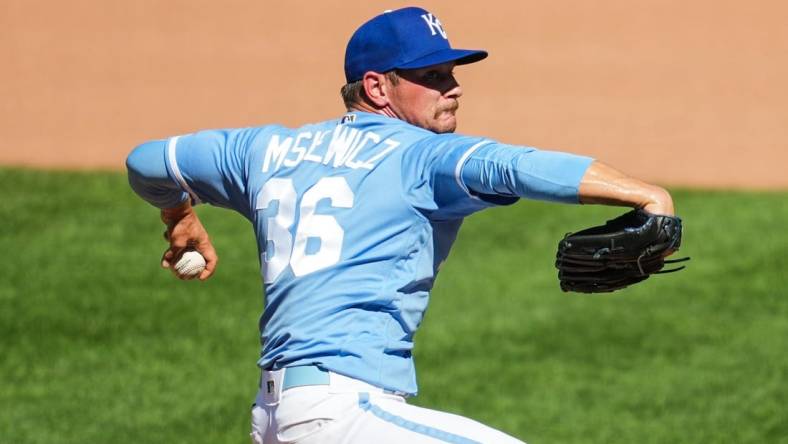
166	258
211	259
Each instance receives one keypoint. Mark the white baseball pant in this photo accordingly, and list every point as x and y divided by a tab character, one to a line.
335	409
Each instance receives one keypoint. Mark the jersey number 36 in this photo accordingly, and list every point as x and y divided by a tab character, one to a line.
281	249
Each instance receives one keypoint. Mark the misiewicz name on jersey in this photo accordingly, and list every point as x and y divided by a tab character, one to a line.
345	148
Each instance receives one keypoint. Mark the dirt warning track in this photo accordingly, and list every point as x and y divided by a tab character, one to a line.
682	93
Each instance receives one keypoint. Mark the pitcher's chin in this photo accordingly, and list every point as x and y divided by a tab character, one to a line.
446	122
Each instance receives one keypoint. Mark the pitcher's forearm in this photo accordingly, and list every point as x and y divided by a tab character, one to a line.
603	184
172	215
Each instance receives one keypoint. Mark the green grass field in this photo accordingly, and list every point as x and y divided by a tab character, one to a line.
99	345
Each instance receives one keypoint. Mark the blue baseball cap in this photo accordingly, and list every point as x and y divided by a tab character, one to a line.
406	38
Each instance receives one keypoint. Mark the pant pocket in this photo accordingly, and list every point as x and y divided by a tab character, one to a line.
296	432
304	412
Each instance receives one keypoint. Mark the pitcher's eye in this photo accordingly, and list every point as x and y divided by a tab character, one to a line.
431	76
437	76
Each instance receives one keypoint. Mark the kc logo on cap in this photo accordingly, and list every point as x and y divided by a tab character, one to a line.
402	39
434	24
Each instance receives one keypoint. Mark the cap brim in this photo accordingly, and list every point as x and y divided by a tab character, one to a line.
459	56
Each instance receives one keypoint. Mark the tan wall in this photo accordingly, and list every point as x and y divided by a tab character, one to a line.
680	92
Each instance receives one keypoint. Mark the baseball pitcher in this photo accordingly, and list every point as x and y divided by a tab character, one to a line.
353	218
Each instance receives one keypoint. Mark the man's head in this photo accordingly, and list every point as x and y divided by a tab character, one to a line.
400	64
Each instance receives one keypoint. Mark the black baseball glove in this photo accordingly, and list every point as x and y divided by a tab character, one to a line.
622	252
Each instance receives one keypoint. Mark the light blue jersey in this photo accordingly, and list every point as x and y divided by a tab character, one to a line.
353	218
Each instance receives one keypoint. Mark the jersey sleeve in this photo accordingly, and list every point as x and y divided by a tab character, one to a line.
451	176
526	172
149	178
432	178
208	166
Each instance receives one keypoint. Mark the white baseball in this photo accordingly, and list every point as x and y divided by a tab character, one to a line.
190	265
